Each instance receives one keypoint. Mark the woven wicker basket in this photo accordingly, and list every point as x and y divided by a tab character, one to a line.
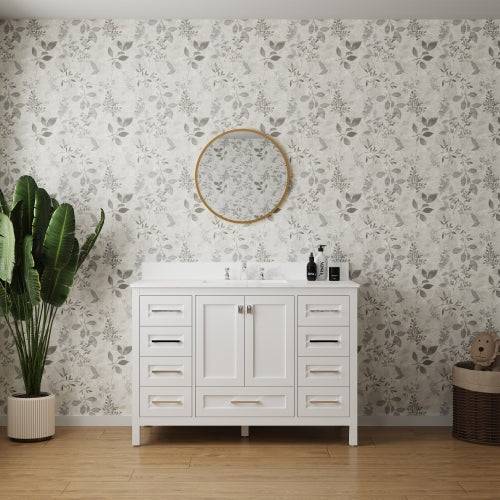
476	404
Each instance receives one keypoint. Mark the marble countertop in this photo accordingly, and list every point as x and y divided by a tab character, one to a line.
211	283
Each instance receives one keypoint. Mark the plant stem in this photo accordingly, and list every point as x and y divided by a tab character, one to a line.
32	336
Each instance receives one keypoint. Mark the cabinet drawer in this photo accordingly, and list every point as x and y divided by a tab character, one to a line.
323	341
168	310
323	401
323	310
323	371
165	341
165	401
245	401
156	371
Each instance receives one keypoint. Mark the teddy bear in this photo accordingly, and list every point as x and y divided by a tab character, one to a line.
485	351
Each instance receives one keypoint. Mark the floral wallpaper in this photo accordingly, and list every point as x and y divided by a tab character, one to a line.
242	178
392	129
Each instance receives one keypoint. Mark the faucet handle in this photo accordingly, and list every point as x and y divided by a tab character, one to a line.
261	273
226	275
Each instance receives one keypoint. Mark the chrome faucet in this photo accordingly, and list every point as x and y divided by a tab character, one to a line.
244	271
261	273
226	275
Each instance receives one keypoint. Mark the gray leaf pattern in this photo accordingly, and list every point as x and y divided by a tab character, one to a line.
392	129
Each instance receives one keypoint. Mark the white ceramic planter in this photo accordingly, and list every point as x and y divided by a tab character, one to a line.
31	419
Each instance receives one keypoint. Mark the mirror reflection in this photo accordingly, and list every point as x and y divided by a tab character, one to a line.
242	175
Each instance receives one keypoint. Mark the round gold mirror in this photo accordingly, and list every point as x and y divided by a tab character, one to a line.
242	175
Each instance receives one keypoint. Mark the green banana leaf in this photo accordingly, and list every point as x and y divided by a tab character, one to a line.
39	257
7	248
89	242
41	219
16	217
20	306
4	301
25	192
4	206
59	237
31	278
56	283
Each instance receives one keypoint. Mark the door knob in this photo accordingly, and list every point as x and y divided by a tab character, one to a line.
240	309
249	309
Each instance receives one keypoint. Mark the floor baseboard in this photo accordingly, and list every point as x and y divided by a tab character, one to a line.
402	421
87	420
369	421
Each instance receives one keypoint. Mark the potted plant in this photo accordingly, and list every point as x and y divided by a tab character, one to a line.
39	257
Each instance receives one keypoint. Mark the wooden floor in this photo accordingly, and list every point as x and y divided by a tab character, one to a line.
288	463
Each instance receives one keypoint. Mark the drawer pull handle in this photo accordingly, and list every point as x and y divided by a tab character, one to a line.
316	341
239	401
159	341
166	371
324	371
166	401
249	309
240	309
333	309
163	310
324	402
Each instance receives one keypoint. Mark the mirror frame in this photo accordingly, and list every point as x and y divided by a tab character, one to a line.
285	190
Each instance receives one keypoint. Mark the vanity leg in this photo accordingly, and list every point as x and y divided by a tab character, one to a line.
136	435
353	435
245	431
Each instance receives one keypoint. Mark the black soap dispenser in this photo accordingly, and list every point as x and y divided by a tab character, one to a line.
311	269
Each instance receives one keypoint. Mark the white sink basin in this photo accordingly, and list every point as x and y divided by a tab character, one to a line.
264	282
244	282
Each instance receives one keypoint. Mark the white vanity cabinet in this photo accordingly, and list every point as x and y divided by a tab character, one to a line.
323	357
244	340
244	353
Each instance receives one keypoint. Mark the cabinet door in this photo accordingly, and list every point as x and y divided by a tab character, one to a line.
220	332
269	341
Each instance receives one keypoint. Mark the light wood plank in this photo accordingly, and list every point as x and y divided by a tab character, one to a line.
292	463
455	496
38	475
257	483
486	484
22	485
274	462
